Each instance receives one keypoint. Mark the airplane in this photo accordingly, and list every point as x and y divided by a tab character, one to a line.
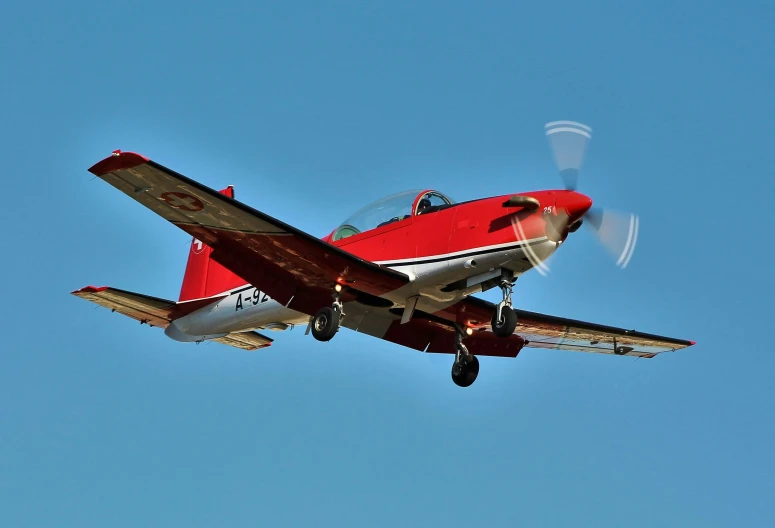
403	269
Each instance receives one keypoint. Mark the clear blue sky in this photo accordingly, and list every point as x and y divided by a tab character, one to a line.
313	111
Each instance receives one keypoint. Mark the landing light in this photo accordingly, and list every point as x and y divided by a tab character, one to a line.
338	288
469	331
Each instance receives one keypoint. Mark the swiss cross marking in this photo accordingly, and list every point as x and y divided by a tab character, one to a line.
182	201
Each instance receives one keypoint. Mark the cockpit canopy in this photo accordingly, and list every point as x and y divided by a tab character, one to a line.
391	209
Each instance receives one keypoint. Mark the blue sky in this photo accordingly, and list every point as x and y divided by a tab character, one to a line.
311	111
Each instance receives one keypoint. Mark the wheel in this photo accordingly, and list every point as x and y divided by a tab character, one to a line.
464	373
325	324
507	324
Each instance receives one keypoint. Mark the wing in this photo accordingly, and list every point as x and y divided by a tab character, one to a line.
285	262
548	331
425	332
436	332
154	311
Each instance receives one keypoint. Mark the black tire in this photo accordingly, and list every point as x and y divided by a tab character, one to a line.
508	323
464	374
325	324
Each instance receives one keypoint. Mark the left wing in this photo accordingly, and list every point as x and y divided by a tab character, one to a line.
283	261
154	311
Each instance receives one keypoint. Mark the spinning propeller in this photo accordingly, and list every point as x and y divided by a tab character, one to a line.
617	232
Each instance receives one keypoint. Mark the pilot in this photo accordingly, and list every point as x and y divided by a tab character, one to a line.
423	205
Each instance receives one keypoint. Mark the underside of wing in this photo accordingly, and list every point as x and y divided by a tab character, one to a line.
285	262
543	331
426	332
439	337
548	331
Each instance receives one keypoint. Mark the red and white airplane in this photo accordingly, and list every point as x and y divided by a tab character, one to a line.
402	269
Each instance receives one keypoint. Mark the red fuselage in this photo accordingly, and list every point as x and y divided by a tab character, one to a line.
463	227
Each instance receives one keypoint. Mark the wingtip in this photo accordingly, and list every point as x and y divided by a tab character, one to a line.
118	160
90	289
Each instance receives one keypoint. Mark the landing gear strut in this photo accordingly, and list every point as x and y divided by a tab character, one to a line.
504	320
325	323
465	369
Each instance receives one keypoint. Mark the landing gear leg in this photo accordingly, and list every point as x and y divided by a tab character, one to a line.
325	324
465	369
504	320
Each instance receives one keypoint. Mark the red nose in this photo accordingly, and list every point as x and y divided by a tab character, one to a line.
576	204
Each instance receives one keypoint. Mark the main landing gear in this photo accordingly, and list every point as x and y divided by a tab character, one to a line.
465	369
325	323
504	320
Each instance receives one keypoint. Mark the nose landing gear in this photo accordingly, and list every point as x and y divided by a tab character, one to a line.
465	369
504	320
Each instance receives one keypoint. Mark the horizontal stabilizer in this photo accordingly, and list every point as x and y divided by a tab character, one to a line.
245	340
146	309
154	311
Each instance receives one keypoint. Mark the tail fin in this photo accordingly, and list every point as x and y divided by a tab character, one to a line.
204	277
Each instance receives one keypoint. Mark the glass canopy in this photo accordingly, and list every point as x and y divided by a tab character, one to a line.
387	210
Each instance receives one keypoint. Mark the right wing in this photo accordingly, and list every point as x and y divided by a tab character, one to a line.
285	262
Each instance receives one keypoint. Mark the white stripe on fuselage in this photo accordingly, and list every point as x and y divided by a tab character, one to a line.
450	256
247	308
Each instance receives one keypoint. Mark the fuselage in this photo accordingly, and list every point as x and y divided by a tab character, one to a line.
448	253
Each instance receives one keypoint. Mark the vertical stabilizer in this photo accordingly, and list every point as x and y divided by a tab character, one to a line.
204	277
